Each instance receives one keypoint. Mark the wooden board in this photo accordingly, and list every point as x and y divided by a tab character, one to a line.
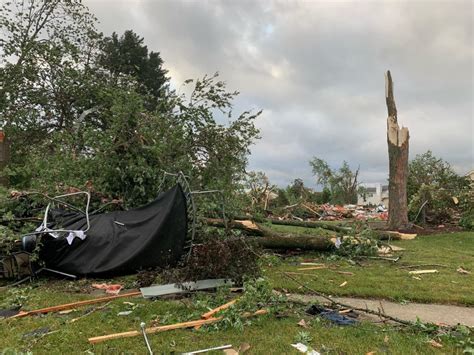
75	304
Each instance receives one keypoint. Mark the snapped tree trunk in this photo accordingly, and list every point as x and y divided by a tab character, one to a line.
397	139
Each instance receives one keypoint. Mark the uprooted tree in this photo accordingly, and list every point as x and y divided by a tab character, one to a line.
397	139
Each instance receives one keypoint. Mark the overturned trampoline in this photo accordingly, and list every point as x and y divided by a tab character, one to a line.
77	243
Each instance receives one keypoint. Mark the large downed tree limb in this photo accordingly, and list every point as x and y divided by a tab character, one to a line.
397	139
254	229
74	305
305	224
310	225
303	242
392	235
246	226
267	238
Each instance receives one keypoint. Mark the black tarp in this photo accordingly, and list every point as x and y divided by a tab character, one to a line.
121	242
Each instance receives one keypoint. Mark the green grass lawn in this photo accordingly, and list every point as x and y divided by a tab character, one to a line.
388	280
266	334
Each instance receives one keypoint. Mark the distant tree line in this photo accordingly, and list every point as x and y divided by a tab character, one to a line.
436	193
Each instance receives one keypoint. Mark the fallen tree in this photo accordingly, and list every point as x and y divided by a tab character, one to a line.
254	229
392	235
305	224
310	225
303	242
247	226
267	238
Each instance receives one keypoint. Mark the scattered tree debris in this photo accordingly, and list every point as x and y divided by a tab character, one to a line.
75	304
303	242
380	314
435	344
163	328
89	312
218	309
222	347
463	271
421	272
302	323
312	268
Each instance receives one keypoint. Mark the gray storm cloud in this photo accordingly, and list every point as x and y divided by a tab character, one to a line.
317	71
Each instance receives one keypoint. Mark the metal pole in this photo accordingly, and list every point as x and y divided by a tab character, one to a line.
142	325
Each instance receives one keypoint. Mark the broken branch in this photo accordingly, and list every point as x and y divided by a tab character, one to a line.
164	328
401	321
74	305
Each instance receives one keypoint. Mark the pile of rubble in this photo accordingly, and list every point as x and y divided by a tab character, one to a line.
328	212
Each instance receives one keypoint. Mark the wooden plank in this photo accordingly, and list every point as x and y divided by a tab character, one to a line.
75	304
312	268
163	328
420	272
218	309
161	290
153	330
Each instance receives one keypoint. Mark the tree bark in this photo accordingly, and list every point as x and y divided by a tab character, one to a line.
246	226
397	139
270	239
255	229
306	224
302	242
267	238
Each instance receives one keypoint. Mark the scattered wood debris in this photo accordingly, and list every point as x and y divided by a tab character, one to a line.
345	273
302	323
218	309
225	348
311	264
463	271
312	268
89	312
421	272
344	311
163	328
389	249
75	305
240	350
435	344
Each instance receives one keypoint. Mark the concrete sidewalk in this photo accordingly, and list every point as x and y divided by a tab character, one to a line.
426	312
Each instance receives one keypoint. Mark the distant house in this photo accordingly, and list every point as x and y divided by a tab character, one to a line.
470	175
375	194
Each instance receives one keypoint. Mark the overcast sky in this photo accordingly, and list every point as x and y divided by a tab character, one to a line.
316	68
